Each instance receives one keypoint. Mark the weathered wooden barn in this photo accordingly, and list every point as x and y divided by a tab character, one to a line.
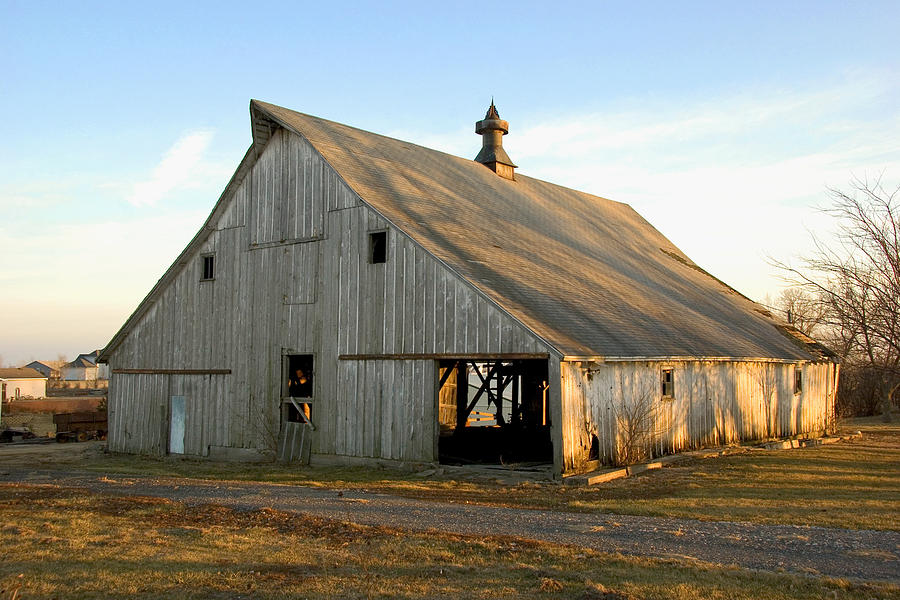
353	296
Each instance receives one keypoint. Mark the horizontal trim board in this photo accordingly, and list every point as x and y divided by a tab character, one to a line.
291	242
172	371
498	356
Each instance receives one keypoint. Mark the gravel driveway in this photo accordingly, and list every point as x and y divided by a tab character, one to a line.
864	555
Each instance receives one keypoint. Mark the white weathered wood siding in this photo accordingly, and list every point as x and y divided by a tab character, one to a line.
142	425
386	410
292	275
715	403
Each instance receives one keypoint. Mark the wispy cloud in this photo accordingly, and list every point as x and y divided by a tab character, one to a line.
754	123
729	179
748	129
174	170
44	194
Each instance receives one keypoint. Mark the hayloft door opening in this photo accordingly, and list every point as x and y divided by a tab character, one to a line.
295	436
494	412
176	425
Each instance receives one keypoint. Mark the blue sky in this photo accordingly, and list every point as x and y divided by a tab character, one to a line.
721	123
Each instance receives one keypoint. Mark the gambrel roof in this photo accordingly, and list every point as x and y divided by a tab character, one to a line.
587	274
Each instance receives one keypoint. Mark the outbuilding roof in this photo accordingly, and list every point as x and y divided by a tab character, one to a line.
82	362
39	363
90	356
587	274
21	373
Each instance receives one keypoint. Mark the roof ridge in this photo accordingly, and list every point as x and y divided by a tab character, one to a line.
340	125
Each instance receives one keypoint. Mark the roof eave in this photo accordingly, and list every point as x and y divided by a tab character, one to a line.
687	358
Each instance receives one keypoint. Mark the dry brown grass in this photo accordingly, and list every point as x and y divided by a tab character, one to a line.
60	542
851	484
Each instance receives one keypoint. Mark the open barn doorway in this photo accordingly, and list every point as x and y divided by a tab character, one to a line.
494	412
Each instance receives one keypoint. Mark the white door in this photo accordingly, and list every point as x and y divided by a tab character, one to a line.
176	425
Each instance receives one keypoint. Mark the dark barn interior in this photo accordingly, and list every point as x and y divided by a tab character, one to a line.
494	412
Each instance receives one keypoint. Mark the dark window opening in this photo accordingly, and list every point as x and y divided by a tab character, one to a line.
378	247
594	453
208	267
299	376
298	412
668	383
798	380
494	412
295	439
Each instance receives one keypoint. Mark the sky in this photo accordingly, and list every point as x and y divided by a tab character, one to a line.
723	123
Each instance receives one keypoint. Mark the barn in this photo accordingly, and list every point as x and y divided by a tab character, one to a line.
357	298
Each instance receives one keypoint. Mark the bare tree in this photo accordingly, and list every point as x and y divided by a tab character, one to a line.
802	309
638	428
768	387
857	281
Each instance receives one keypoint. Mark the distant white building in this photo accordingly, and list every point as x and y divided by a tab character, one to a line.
85	368
80	369
21	383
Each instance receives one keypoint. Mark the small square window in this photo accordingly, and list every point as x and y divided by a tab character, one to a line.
798	380
378	247
208	262
667	378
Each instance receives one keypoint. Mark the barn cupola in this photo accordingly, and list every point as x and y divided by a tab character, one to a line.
492	129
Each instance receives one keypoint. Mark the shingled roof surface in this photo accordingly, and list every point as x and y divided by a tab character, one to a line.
587	274
21	373
81	361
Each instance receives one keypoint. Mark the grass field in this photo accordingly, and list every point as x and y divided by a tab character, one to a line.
66	543
851	484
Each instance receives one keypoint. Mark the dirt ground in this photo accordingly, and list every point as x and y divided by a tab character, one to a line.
48	454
